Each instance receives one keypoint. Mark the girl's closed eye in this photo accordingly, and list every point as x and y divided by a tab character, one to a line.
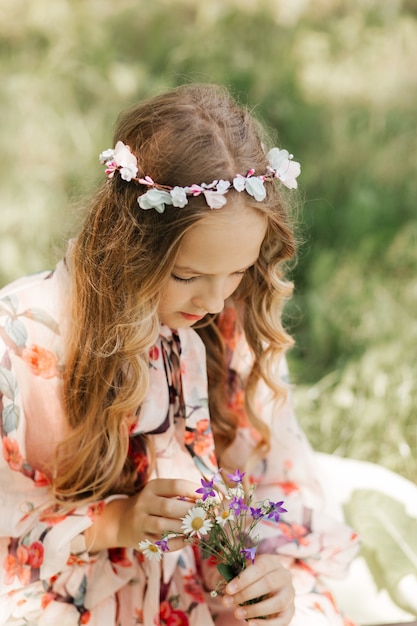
192	278
183	280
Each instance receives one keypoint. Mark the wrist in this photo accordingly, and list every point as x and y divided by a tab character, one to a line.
107	530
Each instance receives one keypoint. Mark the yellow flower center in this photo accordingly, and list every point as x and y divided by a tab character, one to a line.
225	514
153	548
197	523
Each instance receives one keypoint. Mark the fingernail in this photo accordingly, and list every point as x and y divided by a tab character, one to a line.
240	613
231	588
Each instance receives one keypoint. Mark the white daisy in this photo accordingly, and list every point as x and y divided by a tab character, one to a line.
226	515
196	522
150	550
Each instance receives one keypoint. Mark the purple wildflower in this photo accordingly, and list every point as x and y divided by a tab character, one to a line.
217	478
206	489
276	509
256	513
238	505
236	477
163	544
249	553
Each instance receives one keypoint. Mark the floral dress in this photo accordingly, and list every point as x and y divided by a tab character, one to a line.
47	576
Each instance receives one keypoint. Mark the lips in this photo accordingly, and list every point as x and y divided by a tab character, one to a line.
192	318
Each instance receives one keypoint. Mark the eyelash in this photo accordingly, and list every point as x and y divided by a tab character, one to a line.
183	280
189	280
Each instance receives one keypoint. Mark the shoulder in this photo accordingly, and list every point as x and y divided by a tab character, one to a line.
31	312
40	290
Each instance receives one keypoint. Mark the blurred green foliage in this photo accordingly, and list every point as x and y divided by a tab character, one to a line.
335	81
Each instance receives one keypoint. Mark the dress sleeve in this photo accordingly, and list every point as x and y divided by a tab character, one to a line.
305	536
36	540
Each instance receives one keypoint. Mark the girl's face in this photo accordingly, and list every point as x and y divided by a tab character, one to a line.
212	259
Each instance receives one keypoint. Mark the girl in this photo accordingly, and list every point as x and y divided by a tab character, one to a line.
150	357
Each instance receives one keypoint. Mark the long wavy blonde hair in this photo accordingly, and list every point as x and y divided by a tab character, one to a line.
121	260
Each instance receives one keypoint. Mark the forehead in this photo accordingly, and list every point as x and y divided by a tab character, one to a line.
224	242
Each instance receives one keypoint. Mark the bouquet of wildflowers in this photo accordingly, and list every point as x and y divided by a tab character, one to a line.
222	522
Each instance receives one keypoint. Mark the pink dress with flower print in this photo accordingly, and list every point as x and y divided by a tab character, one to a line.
47	576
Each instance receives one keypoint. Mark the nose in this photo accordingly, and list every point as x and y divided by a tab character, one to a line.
210	299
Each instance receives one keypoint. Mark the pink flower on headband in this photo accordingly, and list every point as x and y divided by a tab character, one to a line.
214	199
286	170
214	193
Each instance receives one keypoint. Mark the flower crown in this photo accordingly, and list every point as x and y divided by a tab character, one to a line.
281	166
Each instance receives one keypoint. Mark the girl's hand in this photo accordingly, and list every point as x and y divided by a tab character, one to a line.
266	578
156	510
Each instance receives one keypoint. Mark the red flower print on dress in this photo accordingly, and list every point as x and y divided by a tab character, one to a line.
74	559
141	461
193	588
11	454
85	617
237	404
40	479
288	487
95	510
200	439
51	516
40	361
227	326
172	617
154	353
15	566
119	556
35	554
295	533
47	599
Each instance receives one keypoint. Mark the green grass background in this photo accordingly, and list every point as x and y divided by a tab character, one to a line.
336	81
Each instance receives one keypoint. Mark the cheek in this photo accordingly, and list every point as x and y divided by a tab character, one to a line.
173	292
232	285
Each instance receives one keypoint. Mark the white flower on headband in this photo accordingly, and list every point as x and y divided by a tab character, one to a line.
281	166
122	159
253	185
179	197
284	167
155	199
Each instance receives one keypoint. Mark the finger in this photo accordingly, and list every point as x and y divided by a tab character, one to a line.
170	509
269	585
283	619
176	543
174	488
272	606
264	576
